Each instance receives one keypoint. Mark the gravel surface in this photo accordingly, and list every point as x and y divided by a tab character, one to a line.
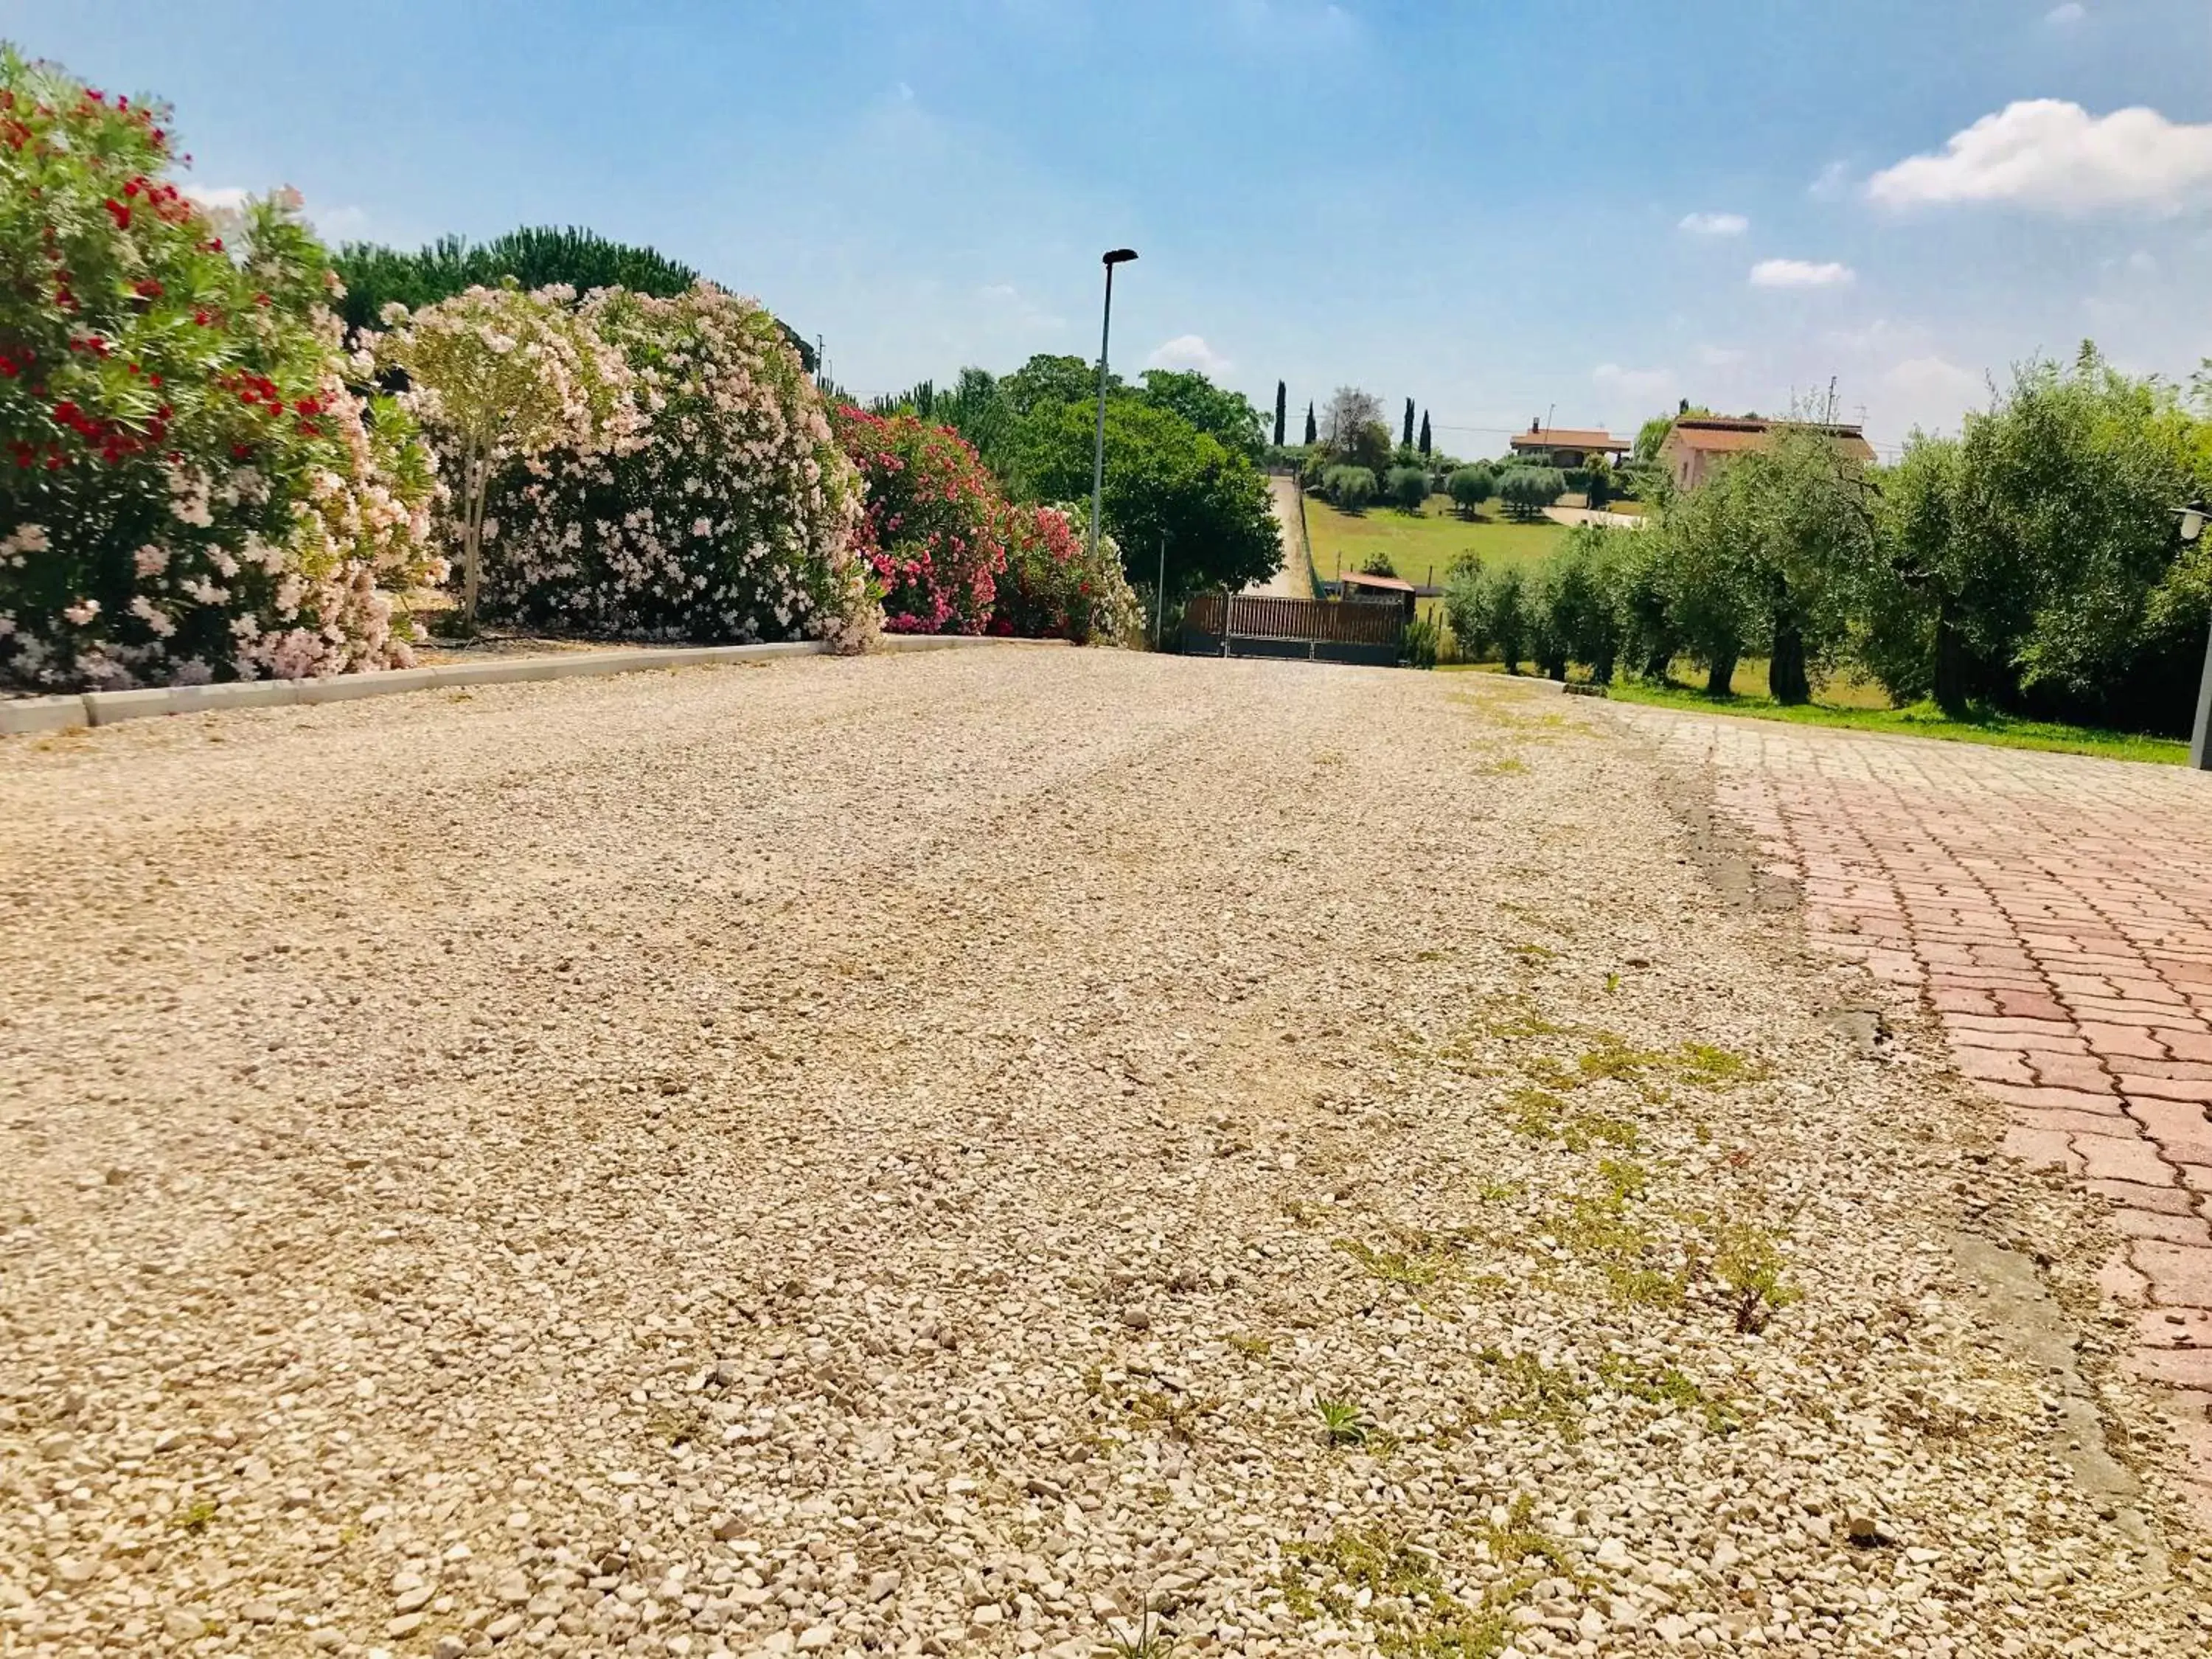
994	1153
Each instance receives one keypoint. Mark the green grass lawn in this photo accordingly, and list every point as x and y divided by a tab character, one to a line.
1870	713
1430	540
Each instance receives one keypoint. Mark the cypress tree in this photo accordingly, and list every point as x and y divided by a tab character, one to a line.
1407	440
1281	393
1313	431
1424	432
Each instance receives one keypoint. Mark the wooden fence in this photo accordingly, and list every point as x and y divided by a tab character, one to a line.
1263	617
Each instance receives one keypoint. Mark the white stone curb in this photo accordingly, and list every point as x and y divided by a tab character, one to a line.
25	715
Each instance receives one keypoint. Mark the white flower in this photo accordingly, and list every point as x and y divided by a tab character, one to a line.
702	527
81	612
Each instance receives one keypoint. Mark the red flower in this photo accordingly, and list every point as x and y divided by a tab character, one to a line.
118	212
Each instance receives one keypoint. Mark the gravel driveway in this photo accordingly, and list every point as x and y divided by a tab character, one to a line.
946	1154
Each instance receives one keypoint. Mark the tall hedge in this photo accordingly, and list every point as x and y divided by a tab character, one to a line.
196	493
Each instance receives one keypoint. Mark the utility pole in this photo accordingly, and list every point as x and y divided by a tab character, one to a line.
1160	594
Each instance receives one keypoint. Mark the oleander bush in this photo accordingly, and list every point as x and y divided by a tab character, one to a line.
190	488
1053	589
933	528
712	503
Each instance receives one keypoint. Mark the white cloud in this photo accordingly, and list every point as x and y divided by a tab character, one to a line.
1189	351
1714	224
2072	12
1713	356
218	198
1643	383
1801	273
1018	308
340	224
1928	392
2047	153
1831	183
1933	377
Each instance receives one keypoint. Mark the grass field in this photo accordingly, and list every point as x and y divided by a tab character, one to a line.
1419	543
1922	720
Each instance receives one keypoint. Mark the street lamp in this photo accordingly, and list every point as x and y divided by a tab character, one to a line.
2200	742
1119	256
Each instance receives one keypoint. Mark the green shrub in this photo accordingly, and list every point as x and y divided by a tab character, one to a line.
1421	642
196	492
1506	617
1464	608
1407	487
1470	487
1599	481
1378	564
1584	600
1351	488
1528	490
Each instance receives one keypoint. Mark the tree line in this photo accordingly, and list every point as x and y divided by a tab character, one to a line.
2032	564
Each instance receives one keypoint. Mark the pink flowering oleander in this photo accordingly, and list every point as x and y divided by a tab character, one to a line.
1052	588
716	506
933	528
190	488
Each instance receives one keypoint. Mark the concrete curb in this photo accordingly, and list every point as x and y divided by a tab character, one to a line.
27	715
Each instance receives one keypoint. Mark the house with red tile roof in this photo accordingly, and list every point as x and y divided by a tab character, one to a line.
1699	443
1565	445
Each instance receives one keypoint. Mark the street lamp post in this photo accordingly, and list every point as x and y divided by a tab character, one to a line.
1119	256
2200	740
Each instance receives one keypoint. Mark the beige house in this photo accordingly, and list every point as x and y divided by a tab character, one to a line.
1700	443
1564	446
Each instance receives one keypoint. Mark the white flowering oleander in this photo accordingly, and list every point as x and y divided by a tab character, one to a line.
720	509
488	405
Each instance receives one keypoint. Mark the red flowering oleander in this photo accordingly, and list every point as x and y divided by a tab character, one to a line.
187	501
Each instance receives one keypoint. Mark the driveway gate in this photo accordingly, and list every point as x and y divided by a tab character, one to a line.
1262	625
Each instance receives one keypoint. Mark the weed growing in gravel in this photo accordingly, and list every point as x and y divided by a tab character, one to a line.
1145	1643
1598	1228
1612	1056
1344	1424
1540	1115
1537	1393
1130	1405
1392	1266
1497	1191
1662	1385
1515	1540
1398	1589
196	1516
674	1425
1252	1347
1511	1019
1748	1265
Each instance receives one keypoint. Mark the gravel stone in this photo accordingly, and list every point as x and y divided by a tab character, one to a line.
999	1153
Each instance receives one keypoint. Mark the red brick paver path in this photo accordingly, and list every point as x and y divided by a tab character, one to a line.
2055	911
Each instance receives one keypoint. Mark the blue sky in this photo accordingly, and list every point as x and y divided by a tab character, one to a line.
1499	210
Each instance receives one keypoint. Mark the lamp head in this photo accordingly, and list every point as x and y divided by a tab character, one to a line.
2193	522
1120	256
